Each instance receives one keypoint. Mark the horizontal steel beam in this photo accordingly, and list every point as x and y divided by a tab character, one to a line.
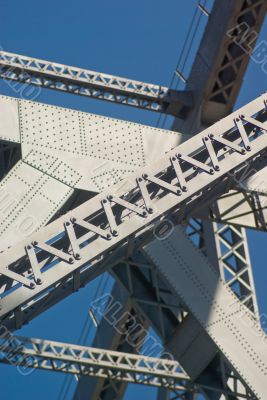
93	84
28	353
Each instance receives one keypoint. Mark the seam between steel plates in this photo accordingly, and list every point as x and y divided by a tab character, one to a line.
194	279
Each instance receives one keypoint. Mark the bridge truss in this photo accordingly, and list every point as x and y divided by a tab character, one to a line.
192	303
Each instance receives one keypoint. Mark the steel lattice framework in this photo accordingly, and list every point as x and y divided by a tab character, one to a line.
170	187
112	365
93	84
198	181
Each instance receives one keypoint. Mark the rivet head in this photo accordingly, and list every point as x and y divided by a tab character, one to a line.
71	260
145	176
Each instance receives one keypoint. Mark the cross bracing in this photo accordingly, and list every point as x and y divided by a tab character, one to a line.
243	146
93	84
30	353
238	245
178	178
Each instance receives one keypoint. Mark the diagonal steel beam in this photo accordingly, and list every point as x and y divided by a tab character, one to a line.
228	323
149	205
228	166
223	55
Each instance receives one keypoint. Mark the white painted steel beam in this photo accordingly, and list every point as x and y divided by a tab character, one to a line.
46	74
94	221
230	325
82	150
105	364
216	167
64	150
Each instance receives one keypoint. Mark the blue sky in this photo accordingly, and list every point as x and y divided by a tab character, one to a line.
141	40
